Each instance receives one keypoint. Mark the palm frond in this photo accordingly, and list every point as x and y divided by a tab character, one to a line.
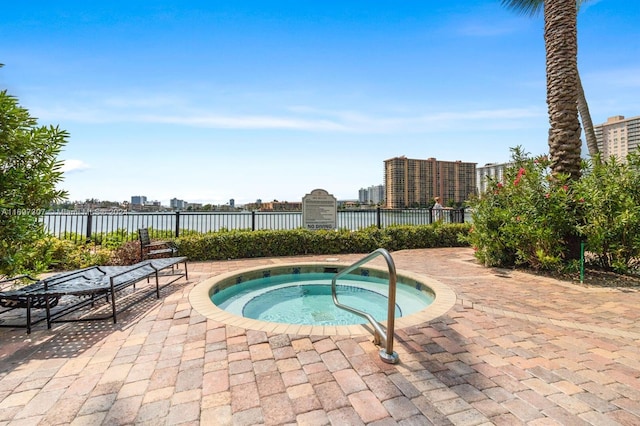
525	7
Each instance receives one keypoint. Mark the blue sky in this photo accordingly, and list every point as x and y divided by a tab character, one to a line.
211	100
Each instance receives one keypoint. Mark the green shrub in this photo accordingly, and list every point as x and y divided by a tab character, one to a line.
609	194
247	244
425	236
526	218
532	219
56	254
51	253
29	174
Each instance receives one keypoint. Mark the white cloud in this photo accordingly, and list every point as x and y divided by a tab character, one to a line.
74	166
490	114
407	119
246	122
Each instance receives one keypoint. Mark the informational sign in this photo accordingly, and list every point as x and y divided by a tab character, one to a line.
319	210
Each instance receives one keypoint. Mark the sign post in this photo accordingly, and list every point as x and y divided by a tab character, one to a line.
319	210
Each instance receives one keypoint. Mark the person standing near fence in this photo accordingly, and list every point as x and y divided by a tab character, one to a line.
437	209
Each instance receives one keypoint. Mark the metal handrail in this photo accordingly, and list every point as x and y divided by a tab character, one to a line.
387	354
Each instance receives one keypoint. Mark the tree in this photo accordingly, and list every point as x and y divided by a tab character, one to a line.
561	45
29	173
532	8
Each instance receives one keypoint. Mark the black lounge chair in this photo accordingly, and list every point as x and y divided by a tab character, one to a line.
86	285
154	249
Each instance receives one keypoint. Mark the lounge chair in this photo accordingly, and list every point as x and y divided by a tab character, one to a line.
154	249
86	285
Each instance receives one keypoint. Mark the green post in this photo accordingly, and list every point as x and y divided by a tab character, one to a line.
581	262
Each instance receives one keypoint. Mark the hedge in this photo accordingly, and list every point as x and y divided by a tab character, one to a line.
238	244
52	253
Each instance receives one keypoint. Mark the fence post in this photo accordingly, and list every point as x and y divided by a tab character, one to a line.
177	224
89	225
461	214
253	220
378	218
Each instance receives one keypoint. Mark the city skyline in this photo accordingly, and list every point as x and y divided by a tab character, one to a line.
212	101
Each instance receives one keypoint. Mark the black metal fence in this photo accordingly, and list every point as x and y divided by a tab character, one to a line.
81	226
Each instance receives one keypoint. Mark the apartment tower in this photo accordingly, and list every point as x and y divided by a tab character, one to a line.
492	171
618	136
371	195
414	183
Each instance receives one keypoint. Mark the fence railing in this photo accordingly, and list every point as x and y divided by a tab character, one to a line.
81	226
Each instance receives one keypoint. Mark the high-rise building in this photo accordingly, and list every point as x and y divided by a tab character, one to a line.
176	204
414	182
618	136
376	194
491	170
363	196
138	200
371	195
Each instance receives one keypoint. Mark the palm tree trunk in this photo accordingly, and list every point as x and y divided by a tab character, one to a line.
587	124
560	36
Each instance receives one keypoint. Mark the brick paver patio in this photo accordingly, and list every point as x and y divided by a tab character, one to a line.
514	349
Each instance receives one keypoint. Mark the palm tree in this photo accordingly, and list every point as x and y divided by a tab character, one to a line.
533	8
561	46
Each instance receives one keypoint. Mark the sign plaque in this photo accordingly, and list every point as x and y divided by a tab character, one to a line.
319	210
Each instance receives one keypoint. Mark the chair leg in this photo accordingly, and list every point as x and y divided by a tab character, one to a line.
48	311
28	314
113	303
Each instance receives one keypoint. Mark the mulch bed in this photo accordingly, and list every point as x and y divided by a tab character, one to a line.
609	279
596	278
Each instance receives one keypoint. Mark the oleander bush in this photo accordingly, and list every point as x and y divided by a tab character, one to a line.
523	219
531	219
609	193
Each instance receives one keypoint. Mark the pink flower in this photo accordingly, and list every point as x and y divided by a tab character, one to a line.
546	195
565	188
521	172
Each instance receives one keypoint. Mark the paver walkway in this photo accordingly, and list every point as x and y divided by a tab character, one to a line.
515	349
